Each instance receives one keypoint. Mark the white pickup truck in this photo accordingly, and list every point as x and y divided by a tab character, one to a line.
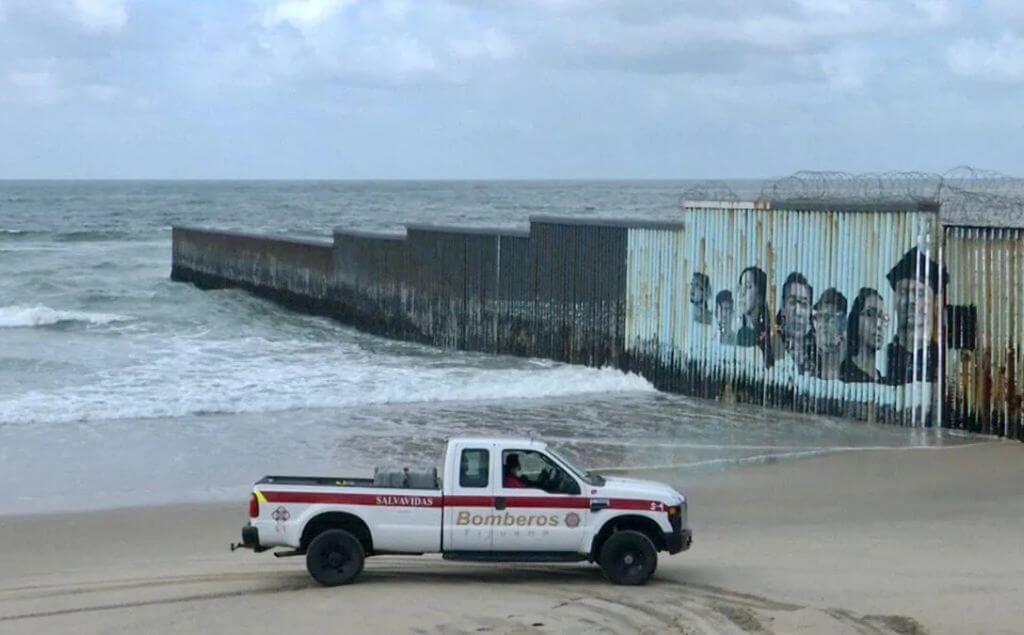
502	500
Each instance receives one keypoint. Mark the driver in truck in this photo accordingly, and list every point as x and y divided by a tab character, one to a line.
512	467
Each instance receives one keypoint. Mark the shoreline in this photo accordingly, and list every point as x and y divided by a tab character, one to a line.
692	469
857	541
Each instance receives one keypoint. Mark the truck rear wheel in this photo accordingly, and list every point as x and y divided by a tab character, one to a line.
334	557
628	557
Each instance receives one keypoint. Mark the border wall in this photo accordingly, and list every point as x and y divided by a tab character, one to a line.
872	312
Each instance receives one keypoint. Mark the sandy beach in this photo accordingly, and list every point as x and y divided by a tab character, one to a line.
875	541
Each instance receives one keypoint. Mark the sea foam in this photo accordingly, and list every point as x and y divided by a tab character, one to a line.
16	316
204	385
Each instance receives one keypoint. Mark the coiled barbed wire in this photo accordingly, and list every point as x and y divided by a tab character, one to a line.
871	187
964	195
709	190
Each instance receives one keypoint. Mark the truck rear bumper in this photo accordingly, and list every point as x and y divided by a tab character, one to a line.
250	537
676	541
250	540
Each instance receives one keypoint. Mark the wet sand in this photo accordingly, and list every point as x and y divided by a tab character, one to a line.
874	541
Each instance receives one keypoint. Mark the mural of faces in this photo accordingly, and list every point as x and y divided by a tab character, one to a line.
751	291
913	354
724	314
865	336
829	324
795	315
821	337
700	289
871	324
829	321
913	297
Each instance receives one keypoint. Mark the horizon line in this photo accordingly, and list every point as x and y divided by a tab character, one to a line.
373	179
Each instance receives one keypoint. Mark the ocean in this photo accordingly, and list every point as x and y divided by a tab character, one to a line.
119	387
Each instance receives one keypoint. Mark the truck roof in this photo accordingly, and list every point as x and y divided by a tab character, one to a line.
525	443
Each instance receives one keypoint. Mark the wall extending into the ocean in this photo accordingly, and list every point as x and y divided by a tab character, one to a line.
869	312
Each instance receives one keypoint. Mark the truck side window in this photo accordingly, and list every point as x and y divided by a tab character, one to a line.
533	469
473	468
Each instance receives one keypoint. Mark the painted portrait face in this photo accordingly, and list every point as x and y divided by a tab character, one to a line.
829	326
796	310
724	311
873	321
912	300
698	293
747	293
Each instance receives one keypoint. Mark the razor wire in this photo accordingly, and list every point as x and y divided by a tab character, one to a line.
964	195
709	190
867	188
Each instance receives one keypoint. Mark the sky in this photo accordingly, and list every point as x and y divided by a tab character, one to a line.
457	89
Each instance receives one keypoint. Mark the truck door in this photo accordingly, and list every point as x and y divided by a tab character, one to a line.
469	499
539	506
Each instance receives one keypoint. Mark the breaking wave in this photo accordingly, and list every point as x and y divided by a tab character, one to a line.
35	316
90	235
202	385
15	235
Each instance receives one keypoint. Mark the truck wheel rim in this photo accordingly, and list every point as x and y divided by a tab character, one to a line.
632	563
337	560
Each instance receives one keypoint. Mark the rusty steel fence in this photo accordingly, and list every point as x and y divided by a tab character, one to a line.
984	362
579	269
295	272
870	310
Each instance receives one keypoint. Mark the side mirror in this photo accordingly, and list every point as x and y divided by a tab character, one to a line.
569	486
566	485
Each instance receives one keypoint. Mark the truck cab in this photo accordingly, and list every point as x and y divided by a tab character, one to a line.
498	500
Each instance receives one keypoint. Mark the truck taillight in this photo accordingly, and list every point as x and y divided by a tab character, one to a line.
254	506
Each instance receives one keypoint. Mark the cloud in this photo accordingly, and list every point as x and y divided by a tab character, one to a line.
36	86
733	37
91	16
385	42
996	60
490	44
1007	11
54	51
505	87
303	14
847	67
100	15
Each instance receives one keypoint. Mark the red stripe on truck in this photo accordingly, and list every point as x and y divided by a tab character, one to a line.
385	500
393	500
562	502
469	501
640	505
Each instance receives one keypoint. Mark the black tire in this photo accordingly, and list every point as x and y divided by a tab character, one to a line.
628	557
334	557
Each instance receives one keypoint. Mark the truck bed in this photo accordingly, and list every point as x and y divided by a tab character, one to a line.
388	480
325	481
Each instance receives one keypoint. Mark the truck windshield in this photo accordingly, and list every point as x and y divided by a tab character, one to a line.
583	475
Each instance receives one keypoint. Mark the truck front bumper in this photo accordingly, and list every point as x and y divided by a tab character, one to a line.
676	541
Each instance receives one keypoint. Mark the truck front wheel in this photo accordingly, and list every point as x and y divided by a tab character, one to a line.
628	557
334	557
